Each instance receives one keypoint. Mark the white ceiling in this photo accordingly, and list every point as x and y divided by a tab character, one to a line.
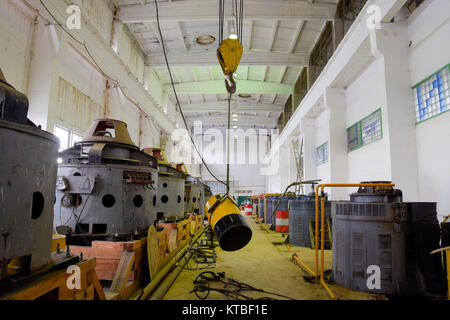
278	36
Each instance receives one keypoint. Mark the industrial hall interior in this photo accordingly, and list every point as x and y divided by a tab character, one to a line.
220	150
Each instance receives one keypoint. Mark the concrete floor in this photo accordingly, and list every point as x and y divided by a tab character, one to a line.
267	266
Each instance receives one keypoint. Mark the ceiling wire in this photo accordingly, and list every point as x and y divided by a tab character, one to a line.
178	101
116	82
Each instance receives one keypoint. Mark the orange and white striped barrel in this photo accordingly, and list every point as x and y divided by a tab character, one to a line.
248	209
282	222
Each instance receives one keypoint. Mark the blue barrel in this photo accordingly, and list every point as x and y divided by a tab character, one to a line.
261	210
300	213
271	203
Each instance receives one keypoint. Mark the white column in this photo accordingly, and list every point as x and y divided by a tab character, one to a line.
335	103
309	148
391	43
46	45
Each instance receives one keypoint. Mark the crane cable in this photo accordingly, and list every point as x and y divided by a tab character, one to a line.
237	12
178	101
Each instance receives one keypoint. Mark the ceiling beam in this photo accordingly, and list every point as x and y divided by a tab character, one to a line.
249	58
108	60
242	120
243	86
221	106
206	10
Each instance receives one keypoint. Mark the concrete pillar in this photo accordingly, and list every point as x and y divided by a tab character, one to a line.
284	166
335	103
309	148
391	44
46	45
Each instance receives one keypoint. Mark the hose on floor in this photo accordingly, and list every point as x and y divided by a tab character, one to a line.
231	288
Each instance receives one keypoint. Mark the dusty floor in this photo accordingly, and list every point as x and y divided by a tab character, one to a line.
264	265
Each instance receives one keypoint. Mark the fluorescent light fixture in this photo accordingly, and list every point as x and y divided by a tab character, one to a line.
234	127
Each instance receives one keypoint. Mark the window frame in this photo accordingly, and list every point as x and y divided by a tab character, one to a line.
360	137
71	134
414	89
322	149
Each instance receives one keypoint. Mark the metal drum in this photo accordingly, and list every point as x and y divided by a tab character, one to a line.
375	229
193	194
269	208
106	187
27	186
205	194
283	206
261	208
301	212
170	203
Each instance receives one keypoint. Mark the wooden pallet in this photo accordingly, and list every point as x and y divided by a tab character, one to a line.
177	230
196	223
107	253
122	262
53	286
184	232
172	234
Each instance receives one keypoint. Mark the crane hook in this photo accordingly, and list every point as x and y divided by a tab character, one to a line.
231	87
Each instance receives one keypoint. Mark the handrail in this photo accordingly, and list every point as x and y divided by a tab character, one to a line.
322	232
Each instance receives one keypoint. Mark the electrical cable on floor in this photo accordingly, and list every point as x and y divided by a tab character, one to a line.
204	258
231	288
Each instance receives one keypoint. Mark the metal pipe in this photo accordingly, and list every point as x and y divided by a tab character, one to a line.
304	266
316	233
265	211
330	294
287	188
163	272
162	289
322	187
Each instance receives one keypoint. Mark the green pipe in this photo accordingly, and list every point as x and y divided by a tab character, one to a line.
163	272
162	289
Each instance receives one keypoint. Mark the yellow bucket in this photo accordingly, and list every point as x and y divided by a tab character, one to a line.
228	224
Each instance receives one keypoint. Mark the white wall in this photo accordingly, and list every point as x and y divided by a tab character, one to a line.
16	33
429	31
364	96
64	86
376	69
244	171
322	134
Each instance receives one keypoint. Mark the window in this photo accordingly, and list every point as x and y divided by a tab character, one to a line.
67	138
432	95
322	154
412	5
365	131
